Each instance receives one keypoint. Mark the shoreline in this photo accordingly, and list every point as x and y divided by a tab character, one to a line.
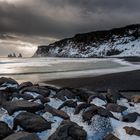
124	81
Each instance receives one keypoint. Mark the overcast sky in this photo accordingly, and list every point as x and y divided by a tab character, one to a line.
34	22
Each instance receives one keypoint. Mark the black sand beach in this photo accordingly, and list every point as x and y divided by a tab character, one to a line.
124	81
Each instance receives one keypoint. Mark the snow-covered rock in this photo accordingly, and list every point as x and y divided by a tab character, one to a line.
116	42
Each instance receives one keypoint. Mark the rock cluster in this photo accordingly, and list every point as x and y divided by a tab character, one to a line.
35	112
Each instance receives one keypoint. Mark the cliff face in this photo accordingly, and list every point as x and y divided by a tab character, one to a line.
123	41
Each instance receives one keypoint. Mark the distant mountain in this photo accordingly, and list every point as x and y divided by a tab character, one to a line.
123	41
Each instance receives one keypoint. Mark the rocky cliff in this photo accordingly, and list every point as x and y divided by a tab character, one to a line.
123	41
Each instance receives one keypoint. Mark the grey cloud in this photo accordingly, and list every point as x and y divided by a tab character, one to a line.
64	18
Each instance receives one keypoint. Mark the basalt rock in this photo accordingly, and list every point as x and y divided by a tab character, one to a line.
3	98
64	94
4	130
39	90
111	137
68	103
24	96
80	107
42	99
95	110
19	105
115	108
4	80
113	95
56	112
100	96
132	131
24	84
131	117
31	122
22	136
69	131
83	94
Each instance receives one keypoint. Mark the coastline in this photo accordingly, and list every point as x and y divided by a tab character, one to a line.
124	81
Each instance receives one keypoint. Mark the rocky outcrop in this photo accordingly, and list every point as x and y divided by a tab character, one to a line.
119	42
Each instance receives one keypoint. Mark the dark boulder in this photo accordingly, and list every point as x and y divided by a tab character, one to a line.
80	107
22	136
132	131
4	130
19	105
89	113
31	122
95	110
4	80
64	94
24	84
24	96
111	137
131	117
83	94
69	131
113	95
39	90
115	108
3	98
56	112
100	96
68	103
42	99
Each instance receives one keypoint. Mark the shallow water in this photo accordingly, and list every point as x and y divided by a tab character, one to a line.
43	69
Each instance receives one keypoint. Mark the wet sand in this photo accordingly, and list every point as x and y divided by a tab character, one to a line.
123	81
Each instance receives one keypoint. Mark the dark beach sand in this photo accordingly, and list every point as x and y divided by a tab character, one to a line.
124	81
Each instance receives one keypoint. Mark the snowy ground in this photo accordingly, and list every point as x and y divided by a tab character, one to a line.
93	129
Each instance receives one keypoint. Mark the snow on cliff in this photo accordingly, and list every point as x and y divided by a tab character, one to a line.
116	42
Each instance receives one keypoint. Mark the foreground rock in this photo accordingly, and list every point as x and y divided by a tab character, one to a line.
56	112
111	137
115	108
113	95
69	131
31	122
68	103
80	107
25	84
64	94
4	80
131	117
95	110
4	130
13	106
39	90
132	131
22	136
3	97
